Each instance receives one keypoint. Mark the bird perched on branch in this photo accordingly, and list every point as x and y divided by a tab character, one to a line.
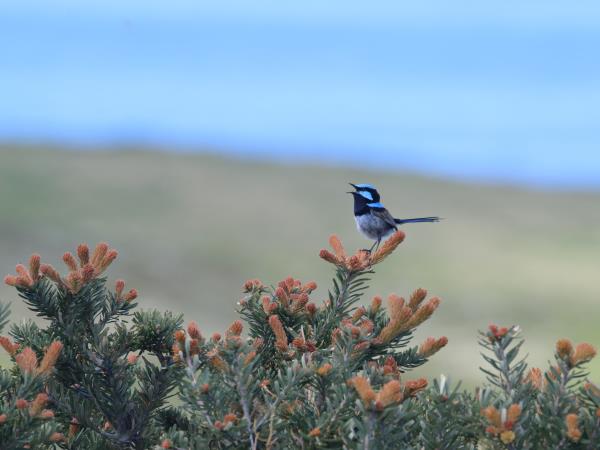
372	219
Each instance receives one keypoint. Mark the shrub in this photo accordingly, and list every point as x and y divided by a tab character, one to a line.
333	375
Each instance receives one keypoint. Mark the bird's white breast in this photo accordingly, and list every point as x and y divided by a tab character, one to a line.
372	226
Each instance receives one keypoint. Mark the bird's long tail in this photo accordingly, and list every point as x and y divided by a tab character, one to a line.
418	219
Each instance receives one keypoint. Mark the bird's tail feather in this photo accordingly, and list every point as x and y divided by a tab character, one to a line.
418	219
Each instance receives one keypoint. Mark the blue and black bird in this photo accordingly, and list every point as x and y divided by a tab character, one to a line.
372	219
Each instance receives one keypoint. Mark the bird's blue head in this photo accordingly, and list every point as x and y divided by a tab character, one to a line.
366	198
368	191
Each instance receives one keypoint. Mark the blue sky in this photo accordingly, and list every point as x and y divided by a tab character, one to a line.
501	91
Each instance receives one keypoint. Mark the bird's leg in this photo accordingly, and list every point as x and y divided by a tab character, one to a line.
370	250
377	244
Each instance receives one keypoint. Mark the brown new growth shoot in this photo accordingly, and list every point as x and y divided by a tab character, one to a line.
391	393
27	360
362	259
80	272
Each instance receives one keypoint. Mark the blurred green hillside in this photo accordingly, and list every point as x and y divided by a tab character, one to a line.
190	228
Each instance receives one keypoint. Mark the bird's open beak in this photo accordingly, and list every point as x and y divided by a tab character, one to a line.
354	186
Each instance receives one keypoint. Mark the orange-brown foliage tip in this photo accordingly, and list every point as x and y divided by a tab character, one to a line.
69	260
513	413
424	312
34	267
315	432
412	387
281	341
252	284
83	253
73	427
338	248
416	298
492	415
397	324
57	437
235	329
26	360
507	436
180	336
194	347
87	273
573	431
390	393
281	295
102	257
564	348
329	257
37	405
194	330
132	358
375	304
395	305
432	345
10	280
324	369
119	287
131	295
362	259
78	275
47	414
363	388
111	255
403	317
50	272
266	303
496	333
309	287
99	253
358	313
387	247
584	352
8	345
230	418
359	261
175	352
535	378
25	278
502	427
216	361
50	357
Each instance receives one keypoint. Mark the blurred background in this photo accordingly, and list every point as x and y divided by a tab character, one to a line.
211	142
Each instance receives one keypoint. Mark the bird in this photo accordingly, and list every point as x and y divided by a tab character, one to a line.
373	220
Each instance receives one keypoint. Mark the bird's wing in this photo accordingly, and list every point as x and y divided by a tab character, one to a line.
384	215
